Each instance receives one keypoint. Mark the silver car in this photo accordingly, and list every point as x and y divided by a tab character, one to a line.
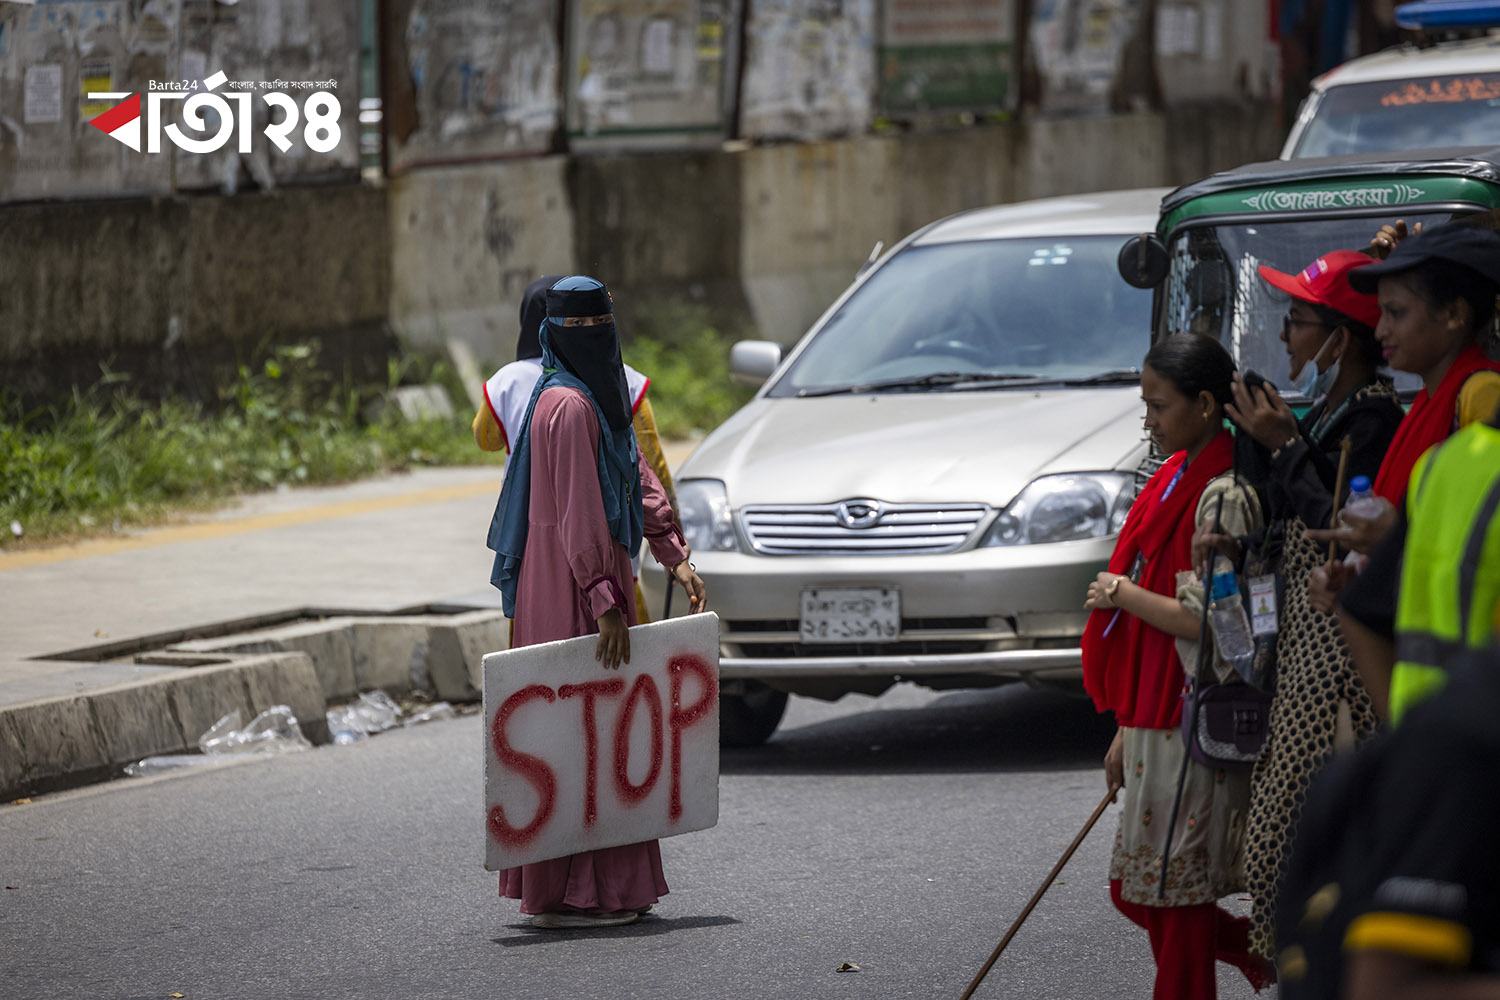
923	488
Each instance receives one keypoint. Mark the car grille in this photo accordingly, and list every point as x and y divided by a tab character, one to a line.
1154	460
894	529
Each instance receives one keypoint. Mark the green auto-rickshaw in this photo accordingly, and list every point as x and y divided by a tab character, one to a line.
1213	233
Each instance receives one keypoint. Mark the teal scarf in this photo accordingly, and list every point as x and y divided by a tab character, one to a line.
619	483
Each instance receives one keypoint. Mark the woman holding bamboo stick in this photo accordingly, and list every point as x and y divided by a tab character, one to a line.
1144	626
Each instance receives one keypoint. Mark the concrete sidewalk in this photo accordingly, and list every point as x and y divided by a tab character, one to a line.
128	646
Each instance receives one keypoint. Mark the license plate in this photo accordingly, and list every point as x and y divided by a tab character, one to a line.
851	615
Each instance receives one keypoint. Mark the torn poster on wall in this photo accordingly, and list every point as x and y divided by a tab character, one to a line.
94	77
43	94
954	56
51	53
809	69
114	49
484	79
648	73
1211	50
298	41
1076	47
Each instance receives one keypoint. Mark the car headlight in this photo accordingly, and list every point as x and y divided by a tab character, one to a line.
707	521
1065	508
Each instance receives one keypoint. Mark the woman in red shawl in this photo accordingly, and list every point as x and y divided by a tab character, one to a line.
1437	293
1145	625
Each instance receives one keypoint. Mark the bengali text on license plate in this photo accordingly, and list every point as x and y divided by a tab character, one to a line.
851	615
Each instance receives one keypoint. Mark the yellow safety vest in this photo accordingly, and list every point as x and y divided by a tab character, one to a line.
1450	576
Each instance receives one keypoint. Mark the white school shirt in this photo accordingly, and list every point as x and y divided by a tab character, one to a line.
508	393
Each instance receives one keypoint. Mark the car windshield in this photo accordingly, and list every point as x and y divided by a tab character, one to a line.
1428	112
1214	288
947	316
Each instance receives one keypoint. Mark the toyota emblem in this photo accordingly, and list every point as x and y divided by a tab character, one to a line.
859	514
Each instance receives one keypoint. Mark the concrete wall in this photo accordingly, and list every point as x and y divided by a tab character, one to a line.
765	236
661	227
168	288
465	243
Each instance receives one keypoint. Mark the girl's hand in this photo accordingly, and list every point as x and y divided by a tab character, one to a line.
1206	542
684	575
1114	761
1383	242
1262	413
1099	591
614	640
1360	534
1327	582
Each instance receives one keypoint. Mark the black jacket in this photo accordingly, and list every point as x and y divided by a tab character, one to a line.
1299	481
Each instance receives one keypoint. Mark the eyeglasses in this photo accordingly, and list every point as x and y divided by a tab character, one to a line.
1287	323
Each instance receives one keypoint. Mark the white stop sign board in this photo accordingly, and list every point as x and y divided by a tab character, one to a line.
578	757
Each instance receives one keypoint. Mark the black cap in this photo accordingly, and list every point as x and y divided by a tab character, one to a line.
578	295
1468	246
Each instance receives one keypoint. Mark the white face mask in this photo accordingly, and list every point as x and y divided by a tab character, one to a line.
1312	383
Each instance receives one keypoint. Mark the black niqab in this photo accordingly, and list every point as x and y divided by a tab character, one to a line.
592	353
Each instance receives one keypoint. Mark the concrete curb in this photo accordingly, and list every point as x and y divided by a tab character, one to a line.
438	655
62	742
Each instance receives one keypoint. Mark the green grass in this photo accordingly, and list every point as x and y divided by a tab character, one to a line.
687	360
105	457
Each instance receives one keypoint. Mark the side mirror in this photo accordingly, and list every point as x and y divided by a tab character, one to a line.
751	362
1144	261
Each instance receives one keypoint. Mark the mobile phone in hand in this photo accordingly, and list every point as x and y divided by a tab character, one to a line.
1253	379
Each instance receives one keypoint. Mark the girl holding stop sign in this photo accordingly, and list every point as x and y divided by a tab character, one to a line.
577	502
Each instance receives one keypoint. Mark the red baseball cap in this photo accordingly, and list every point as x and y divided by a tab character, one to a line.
1325	282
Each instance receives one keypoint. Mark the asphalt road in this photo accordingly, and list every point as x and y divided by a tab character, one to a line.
902	834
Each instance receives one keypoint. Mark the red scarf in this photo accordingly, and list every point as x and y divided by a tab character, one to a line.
1131	668
1429	422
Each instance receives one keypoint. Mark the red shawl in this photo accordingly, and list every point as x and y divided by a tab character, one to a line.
1429	422
1133	670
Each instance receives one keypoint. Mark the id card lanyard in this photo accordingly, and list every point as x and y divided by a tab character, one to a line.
1140	557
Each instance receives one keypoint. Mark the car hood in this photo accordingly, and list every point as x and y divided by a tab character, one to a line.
955	446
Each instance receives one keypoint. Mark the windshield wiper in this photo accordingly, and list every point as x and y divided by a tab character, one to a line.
1115	376
935	380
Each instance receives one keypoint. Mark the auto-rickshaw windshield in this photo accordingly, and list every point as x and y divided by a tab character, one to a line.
1214	287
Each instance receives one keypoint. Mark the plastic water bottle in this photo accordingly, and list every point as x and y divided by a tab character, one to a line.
1227	612
1362	501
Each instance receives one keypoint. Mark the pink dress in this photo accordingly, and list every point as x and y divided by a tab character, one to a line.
572	572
